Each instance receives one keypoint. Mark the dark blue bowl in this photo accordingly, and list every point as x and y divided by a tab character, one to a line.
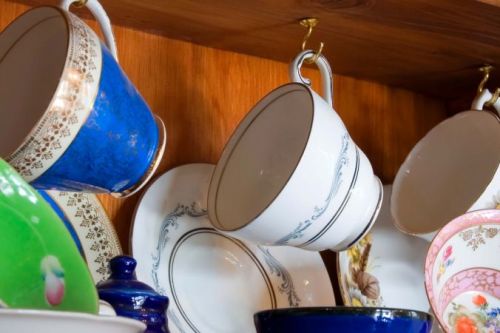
342	320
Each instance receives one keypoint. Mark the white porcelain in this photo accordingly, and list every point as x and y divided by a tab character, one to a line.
462	273
455	168
29	321
483	98
393	265
215	283
96	234
104	23
291	174
106	309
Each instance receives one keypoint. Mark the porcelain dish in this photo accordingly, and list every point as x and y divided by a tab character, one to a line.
386	268
88	223
41	267
29	321
462	273
215	283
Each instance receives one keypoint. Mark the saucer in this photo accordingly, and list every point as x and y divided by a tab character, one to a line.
385	268
215	283
27	321
90	227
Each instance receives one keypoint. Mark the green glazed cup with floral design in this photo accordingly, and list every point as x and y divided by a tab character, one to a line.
40	266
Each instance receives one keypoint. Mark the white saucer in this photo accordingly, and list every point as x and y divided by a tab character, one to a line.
215	283
88	223
43	321
393	274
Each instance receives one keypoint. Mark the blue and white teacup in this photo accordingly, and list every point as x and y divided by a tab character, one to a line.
70	118
292	175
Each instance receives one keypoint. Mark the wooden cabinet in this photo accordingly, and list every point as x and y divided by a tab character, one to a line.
403	67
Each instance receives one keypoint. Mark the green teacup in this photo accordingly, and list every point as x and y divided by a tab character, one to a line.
40	266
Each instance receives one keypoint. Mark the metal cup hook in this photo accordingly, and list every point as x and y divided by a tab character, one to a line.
80	3
310	23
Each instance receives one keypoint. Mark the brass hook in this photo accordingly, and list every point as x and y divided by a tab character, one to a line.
310	23
80	3
486	70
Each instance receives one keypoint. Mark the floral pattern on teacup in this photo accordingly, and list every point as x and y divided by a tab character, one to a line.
495	203
475	280
363	287
481	319
53	275
466	260
446	261
475	237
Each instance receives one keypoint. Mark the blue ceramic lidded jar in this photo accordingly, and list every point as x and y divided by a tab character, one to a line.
132	298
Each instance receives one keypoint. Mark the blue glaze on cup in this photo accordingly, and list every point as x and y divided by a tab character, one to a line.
342	320
115	146
64	218
132	298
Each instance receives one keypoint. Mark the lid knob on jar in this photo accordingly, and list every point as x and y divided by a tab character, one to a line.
123	268
122	290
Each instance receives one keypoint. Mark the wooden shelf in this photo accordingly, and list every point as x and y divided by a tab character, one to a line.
202	93
429	46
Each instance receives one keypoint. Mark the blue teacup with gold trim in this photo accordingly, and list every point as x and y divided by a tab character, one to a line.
70	118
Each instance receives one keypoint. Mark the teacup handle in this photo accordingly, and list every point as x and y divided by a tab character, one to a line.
102	18
482	98
324	68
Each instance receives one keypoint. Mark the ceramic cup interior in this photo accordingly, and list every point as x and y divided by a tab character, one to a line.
446	172
33	52
264	152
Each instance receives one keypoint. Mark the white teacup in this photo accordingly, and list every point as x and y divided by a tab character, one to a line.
291	174
455	168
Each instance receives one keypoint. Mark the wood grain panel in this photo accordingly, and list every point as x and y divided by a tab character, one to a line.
430	46
202	93
491	2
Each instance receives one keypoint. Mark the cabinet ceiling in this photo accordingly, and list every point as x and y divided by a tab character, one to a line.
429	46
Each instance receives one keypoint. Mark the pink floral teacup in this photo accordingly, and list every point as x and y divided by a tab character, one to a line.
462	273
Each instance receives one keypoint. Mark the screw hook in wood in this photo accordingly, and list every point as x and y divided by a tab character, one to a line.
486	70
310	23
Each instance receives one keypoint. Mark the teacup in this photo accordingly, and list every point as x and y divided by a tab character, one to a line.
342	320
462	273
291	174
455	168
71	119
41	267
